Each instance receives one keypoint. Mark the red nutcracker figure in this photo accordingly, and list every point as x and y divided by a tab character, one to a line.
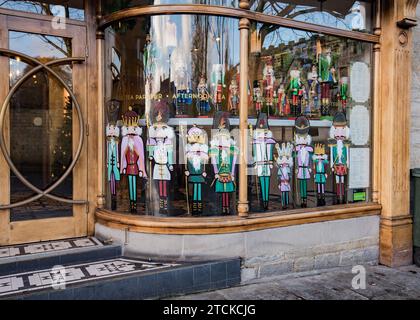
283	107
269	80
219	96
132	155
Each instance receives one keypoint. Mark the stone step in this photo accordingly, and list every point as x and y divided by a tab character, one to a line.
46	255
121	278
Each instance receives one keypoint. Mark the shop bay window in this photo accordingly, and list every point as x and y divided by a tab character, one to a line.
173	107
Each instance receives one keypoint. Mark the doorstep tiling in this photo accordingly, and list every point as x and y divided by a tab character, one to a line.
58	277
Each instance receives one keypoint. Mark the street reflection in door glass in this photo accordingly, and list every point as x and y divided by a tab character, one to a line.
41	125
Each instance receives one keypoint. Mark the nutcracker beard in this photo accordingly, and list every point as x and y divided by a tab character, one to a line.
325	99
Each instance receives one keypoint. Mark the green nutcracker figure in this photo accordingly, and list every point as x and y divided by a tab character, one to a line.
327	79
223	154
320	164
295	87
196	152
262	151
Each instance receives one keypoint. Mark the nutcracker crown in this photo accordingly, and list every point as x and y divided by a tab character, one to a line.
319	148
285	150
130	118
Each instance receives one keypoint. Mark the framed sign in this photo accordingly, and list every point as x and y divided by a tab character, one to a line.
359	173
360	125
360	82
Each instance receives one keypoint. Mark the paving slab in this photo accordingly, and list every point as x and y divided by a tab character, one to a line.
335	284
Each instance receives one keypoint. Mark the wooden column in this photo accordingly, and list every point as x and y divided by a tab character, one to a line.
397	16
4	167
243	206
376	120
100	48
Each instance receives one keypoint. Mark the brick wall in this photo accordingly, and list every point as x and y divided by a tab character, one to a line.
415	98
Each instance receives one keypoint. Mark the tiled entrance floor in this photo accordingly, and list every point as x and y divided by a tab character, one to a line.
50	246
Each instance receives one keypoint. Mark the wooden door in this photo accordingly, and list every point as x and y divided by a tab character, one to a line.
44	131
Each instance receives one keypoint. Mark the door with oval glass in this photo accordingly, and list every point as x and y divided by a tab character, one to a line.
43	163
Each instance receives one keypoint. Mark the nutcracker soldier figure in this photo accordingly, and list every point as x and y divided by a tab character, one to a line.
339	149
203	97
295	88
283	107
223	154
269	80
197	157
313	90
132	155
343	94
303	151
217	83
320	164
262	151
233	97
112	158
257	97
327	79
183	93
285	164
160	148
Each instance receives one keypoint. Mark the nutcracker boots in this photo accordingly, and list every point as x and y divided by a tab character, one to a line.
133	206
113	202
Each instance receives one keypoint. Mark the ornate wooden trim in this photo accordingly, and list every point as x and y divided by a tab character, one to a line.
407	14
232	224
232	13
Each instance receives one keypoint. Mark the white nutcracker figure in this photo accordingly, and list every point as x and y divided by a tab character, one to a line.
262	151
196	153
285	165
161	151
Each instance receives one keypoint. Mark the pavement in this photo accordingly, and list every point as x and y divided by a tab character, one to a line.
382	283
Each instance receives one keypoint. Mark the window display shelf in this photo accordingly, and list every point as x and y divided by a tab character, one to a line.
235	122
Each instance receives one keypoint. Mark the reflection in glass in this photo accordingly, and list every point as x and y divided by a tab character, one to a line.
188	63
113	6
343	14
313	78
50	8
41	120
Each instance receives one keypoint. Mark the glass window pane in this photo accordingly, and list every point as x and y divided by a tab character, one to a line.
73	9
187	65
327	80
343	14
41	123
